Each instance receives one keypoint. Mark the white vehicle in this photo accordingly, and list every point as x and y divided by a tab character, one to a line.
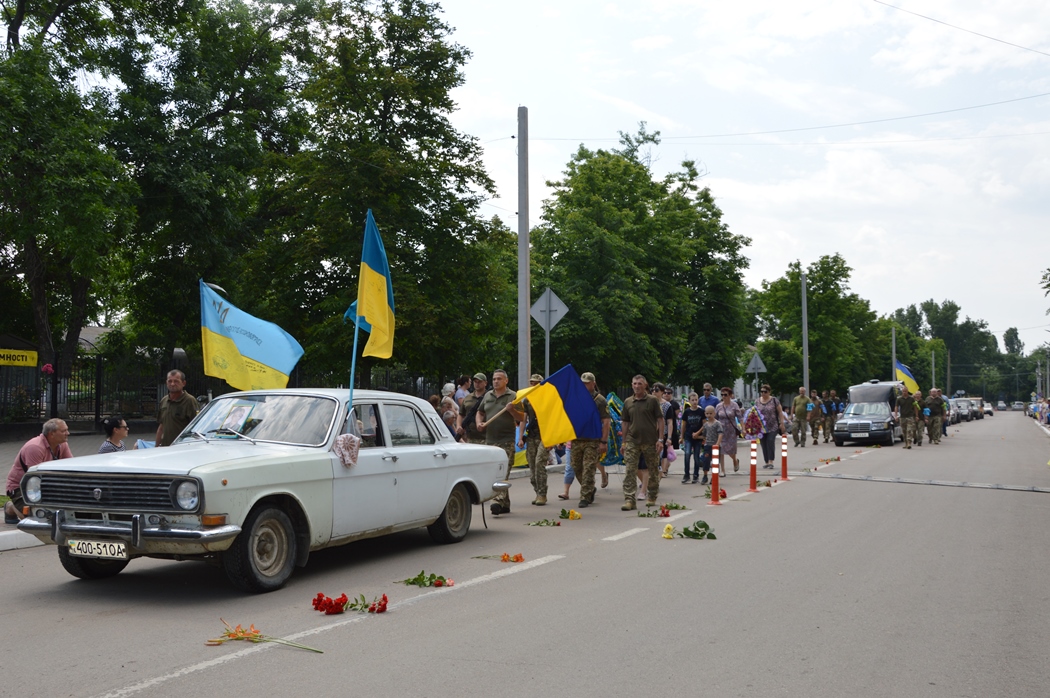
257	481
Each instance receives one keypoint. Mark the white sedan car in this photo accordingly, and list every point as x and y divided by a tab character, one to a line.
261	478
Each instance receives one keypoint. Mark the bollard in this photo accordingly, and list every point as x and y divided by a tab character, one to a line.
714	477
754	467
784	457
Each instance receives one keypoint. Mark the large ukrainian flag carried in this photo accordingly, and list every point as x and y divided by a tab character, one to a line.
374	308
564	408
904	374
247	352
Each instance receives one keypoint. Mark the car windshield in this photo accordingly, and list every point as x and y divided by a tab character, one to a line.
292	419
867	409
963	403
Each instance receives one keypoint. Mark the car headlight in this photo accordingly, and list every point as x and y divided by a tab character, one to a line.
841	427
187	496
31	489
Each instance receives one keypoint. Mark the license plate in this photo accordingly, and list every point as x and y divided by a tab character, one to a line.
861	435
109	549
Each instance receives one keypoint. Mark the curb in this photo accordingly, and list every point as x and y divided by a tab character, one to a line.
17	540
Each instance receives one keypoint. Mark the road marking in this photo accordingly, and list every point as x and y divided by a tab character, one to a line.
356	618
941	483
621	536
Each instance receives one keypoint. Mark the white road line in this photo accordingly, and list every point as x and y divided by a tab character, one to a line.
356	618
621	536
687	512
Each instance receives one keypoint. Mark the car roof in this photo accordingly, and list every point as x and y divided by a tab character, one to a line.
341	394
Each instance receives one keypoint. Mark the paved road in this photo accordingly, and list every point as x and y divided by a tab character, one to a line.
815	587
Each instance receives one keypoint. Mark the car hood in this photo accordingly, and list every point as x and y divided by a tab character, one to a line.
182	459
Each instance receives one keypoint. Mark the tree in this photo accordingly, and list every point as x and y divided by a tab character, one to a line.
649	271
1012	341
836	317
64	197
379	137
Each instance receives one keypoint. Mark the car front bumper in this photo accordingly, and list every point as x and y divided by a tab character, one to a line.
141	537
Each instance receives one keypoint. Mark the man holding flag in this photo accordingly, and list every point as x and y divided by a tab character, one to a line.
586	452
498	419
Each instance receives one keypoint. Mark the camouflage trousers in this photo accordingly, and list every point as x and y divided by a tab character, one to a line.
908	430
584	459
503	498
934	428
631	453
829	427
537	456
920	429
799	431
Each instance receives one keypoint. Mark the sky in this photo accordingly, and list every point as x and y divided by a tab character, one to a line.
952	205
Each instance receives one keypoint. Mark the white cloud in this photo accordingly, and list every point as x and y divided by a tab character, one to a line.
652	43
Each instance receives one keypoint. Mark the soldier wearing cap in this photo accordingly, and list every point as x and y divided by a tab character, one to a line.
536	454
468	430
586	453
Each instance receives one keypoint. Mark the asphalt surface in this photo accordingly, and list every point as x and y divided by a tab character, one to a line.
815	587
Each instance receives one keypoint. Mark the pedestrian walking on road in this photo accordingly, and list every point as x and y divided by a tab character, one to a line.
773	418
800	407
501	430
729	414
643	435
587	453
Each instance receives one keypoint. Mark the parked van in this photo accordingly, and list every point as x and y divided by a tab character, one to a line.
868	417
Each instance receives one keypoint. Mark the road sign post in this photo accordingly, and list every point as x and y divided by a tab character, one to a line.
548	311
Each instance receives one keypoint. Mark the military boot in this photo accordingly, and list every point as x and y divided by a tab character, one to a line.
628	505
540	500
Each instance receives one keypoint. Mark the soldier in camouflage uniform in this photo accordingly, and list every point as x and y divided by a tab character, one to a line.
920	417
935	405
830	403
906	411
468	431
799	408
536	454
586	453
815	414
499	431
643	434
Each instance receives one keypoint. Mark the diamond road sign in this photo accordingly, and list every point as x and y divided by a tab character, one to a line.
548	310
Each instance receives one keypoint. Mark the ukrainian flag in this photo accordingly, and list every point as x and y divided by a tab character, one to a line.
374	309
564	408
904	374
247	352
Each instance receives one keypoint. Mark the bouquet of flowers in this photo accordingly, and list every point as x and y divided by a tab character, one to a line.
754	425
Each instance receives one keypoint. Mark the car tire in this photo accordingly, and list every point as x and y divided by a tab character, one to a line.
839	442
454	522
262	557
89	567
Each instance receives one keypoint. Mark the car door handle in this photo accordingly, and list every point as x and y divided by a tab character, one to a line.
391	457
441	454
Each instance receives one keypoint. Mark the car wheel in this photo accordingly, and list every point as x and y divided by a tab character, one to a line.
262	557
839	442
452	525
89	567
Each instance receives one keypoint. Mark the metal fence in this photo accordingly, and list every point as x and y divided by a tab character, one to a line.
100	386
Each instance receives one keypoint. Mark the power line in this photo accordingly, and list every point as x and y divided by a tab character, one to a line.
968	31
818	128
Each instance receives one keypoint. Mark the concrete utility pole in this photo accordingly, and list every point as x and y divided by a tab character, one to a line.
524	282
893	353
805	338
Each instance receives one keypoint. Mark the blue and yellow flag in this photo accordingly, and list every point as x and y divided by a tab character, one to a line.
247	352
564	408
374	307
904	374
